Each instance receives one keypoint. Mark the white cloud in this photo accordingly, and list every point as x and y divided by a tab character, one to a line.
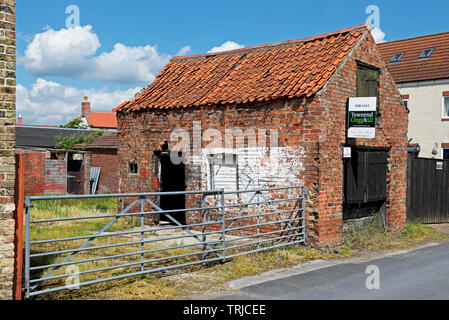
48	102
228	45
378	35
60	53
127	65
184	51
70	53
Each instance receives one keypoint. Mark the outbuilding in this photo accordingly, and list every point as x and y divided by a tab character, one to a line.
47	169
296	97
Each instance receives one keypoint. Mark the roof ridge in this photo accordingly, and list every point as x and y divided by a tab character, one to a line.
274	44
102	111
413	38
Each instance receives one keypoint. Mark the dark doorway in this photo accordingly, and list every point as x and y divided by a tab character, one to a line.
75	179
172	178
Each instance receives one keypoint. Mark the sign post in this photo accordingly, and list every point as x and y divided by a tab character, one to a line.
362	117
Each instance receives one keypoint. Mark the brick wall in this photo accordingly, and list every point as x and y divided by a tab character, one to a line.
108	161
41	175
34	169
325	221
7	144
315	126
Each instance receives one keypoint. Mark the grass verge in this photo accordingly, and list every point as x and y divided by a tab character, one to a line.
375	238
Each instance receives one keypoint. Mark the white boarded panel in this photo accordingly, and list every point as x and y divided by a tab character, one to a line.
225	177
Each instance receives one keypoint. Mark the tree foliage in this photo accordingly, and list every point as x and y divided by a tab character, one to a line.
68	143
76	124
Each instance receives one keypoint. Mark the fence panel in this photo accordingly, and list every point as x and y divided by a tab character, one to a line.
428	190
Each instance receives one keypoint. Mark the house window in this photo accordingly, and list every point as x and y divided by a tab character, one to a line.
446	107
397	57
223	172
426	53
133	168
445	153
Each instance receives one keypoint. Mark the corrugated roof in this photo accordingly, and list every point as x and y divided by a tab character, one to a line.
410	68
281	70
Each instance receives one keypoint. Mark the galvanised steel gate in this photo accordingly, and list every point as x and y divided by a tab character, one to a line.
63	251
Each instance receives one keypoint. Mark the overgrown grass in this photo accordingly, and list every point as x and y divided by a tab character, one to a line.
62	207
373	237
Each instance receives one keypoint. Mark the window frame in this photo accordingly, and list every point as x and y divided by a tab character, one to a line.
223	157
129	167
401	55
442	153
421	57
443	117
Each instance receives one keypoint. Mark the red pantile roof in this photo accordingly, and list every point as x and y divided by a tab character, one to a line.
107	139
100	119
281	70
410	68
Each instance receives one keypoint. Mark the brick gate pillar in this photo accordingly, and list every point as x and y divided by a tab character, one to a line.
7	145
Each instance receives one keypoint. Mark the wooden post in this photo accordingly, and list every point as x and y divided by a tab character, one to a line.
18	237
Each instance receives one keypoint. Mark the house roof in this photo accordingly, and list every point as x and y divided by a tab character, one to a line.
287	69
106	140
410	68
43	137
101	119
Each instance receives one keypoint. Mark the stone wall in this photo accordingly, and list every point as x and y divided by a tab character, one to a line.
7	144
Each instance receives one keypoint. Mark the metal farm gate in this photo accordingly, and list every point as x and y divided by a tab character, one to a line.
427	190
70	250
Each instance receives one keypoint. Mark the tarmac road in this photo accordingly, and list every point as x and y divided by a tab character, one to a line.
418	274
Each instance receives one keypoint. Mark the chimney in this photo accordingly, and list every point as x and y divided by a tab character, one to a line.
20	119
85	108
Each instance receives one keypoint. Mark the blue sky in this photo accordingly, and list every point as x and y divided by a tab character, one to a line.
120	46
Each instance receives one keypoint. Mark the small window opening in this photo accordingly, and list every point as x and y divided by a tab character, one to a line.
133	168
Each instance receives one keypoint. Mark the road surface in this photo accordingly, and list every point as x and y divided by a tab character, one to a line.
417	274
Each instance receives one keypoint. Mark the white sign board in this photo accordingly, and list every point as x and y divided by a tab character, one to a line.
347	152
362	117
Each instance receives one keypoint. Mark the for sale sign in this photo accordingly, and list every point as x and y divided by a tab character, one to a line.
362	117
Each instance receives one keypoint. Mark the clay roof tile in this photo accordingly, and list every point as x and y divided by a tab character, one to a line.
260	73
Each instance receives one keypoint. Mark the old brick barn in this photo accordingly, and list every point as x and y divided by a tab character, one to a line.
298	89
